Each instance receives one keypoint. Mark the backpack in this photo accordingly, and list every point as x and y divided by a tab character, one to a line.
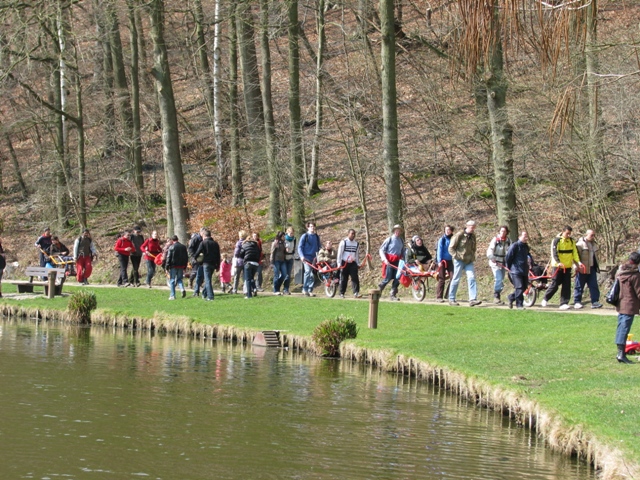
613	295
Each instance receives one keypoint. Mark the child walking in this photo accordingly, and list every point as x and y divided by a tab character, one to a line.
225	273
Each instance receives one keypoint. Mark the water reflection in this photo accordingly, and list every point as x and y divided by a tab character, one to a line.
85	403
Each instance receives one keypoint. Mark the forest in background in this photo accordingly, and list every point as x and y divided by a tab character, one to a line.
235	115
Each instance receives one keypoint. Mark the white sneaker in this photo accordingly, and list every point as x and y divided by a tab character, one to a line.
565	306
577	306
544	303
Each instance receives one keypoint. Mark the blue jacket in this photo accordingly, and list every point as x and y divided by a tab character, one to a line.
517	259
309	246
442	249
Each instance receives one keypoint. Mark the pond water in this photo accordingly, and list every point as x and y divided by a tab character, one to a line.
98	403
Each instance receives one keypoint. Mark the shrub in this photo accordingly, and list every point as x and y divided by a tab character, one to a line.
329	334
80	306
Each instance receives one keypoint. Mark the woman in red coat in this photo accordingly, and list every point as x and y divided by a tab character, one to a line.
123	247
151	248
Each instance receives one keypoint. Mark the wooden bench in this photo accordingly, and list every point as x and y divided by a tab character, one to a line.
31	272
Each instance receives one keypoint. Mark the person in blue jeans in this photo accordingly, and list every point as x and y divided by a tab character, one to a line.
587	248
278	250
629	303
462	249
176	261
210	251
391	252
250	252
308	249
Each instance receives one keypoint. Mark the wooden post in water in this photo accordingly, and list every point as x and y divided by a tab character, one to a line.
374	299
52	283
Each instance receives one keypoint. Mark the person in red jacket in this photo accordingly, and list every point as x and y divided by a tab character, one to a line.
123	247
151	248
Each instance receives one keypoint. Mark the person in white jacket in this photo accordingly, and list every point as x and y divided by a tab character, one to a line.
348	256
496	253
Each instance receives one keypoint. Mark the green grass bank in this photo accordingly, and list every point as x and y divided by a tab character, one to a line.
556	372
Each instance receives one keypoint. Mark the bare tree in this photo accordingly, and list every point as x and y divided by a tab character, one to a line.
170	134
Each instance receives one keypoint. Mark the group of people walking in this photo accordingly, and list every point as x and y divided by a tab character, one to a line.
455	255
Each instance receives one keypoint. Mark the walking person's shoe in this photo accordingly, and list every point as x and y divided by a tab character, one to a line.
440	300
565	306
543	303
474	302
453	303
511	303
172	298
622	355
394	298
184	293
577	305
357	295
596	305
342	295
286	292
496	299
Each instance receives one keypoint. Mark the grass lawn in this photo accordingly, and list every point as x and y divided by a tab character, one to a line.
565	362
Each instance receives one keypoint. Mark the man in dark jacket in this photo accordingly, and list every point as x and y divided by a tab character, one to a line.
176	262
136	256
629	304
250	253
210	251
197	272
517	262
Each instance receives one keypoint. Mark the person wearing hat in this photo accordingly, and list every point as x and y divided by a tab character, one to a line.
84	252
418	254
136	256
392	251
463	251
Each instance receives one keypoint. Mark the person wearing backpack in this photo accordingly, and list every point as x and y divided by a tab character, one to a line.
628	305
392	251
308	249
348	256
563	255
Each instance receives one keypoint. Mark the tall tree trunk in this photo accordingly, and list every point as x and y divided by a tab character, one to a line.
313	186
109	117
223	163
237	192
136	143
269	123
122	96
16	166
61	185
203	57
501	135
251	87
390	115
170	136
297	178
82	197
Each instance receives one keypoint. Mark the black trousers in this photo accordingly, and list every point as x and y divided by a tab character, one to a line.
561	278
134	277
520	283
350	270
124	264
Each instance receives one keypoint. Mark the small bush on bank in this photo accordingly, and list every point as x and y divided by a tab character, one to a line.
80	306
329	334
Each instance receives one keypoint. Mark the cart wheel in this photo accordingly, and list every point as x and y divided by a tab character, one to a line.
418	289
530	296
330	288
